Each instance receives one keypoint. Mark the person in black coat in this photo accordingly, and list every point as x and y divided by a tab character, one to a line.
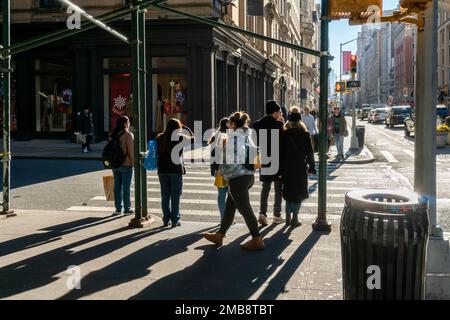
296	153
85	127
270	122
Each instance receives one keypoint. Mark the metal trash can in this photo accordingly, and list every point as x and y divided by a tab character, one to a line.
360	133
388	230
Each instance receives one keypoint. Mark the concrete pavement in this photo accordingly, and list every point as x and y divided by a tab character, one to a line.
115	262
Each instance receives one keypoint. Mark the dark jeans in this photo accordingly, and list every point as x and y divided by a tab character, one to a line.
122	187
88	142
265	191
171	190
239	198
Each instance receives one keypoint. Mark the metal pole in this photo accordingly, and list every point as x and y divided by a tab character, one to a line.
6	77
143	108
136	119
340	75
354	144
321	223
425	127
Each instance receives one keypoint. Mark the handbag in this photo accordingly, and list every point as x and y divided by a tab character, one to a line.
81	138
219	180
108	187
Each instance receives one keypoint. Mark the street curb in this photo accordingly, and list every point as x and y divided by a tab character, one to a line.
370	159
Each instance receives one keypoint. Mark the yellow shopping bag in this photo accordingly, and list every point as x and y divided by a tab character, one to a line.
219	181
108	186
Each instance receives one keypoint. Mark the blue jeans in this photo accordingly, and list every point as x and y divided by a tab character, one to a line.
339	144
221	198
171	190
122	187
292	207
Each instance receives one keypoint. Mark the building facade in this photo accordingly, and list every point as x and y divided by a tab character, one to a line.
444	55
195	71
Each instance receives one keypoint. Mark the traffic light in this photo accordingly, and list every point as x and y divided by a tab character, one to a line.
340	86
352	9
353	65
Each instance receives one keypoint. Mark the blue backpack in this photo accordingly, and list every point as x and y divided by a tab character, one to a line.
151	162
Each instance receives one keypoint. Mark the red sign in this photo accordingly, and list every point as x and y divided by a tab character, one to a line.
346	61
120	96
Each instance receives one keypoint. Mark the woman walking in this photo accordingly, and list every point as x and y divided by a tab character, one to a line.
296	153
171	171
124	173
216	161
240	179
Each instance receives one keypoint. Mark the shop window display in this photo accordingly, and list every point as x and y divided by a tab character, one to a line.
54	96
169	91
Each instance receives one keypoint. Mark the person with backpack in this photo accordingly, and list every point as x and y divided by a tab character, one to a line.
296	153
120	156
215	162
171	170
240	176
271	122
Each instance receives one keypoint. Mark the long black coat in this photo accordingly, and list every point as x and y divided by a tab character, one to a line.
296	153
85	122
269	123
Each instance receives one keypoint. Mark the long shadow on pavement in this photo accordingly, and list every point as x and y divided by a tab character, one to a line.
54	233
42	269
224	273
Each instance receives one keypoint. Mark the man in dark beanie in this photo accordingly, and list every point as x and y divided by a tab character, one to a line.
270	122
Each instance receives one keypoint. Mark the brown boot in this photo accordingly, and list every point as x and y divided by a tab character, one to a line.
216	238
256	243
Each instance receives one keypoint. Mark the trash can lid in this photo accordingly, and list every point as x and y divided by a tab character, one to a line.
385	201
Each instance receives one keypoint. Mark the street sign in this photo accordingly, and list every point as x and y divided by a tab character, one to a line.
353	85
340	86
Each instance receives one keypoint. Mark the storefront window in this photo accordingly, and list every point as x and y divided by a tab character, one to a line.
117	90
169	91
54	95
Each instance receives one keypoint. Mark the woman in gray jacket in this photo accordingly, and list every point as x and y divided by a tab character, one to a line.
240	179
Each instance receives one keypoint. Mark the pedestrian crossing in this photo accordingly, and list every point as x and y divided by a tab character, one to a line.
199	199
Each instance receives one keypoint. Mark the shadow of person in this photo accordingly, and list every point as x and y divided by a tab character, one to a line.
134	266
42	269
226	272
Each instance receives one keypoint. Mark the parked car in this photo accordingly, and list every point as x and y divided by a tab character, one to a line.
377	115
397	115
410	120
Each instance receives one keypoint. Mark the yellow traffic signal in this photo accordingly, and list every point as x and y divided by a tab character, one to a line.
351	9
340	86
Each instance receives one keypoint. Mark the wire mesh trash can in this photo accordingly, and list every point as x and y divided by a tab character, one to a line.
383	232
360	134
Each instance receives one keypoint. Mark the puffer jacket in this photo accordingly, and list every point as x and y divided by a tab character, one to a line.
236	153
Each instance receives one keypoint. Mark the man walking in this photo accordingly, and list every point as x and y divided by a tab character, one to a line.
85	124
270	123
338	129
310	123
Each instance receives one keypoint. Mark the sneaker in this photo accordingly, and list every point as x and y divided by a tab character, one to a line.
216	238
117	213
278	220
176	224
256	243
128	212
85	150
262	220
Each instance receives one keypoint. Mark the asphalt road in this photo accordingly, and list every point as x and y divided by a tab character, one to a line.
77	185
389	145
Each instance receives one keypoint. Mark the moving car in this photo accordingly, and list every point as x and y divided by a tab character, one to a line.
397	115
377	115
364	114
410	121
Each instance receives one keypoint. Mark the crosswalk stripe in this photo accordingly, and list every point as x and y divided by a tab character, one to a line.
409	152
253	203
311	181
256	186
389	157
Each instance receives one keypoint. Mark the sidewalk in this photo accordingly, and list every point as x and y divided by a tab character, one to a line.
155	263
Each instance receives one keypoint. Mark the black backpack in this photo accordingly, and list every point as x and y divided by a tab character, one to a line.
113	155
